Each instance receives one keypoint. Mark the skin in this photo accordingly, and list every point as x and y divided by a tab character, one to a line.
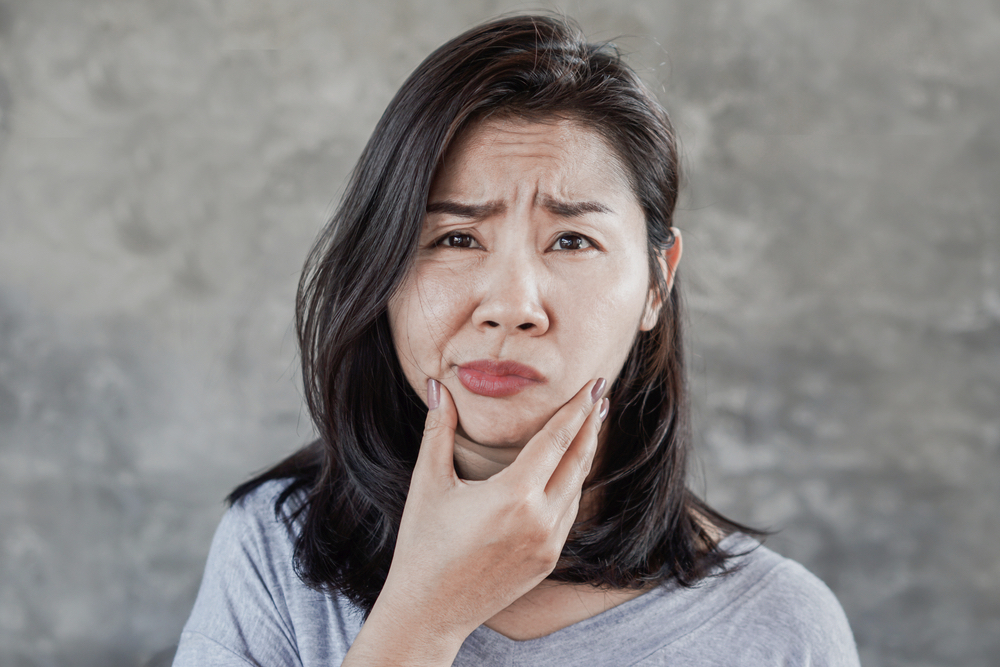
508	270
523	280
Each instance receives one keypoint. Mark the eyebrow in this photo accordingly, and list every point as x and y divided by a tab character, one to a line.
465	210
563	209
572	209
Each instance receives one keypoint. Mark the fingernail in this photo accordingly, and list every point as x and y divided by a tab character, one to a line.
433	393
595	393
605	405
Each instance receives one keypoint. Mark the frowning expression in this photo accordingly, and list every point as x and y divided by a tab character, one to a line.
531	278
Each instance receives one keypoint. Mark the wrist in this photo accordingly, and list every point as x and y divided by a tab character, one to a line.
397	634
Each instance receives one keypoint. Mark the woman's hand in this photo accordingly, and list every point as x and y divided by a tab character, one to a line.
468	549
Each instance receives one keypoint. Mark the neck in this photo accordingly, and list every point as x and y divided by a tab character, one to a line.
478	462
552	606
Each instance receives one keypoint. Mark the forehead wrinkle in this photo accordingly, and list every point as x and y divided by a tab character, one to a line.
509	134
503	142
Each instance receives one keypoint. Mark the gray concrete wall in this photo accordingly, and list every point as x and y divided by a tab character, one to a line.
164	166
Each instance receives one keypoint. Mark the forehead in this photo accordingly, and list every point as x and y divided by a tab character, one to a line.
565	152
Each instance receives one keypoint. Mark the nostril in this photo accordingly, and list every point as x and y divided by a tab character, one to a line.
525	326
492	323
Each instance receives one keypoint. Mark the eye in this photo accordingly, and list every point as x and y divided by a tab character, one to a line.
458	240
572	242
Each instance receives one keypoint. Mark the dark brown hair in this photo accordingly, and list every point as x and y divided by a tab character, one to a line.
350	485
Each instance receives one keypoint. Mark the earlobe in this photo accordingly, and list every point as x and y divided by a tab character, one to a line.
668	258
652	312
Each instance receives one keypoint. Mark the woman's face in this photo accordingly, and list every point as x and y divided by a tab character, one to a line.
531	278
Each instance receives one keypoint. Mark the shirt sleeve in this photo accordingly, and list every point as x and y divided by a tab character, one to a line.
241	616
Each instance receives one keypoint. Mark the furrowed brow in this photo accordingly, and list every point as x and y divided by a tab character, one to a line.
475	211
567	209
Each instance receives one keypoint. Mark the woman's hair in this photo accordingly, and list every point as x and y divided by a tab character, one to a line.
350	485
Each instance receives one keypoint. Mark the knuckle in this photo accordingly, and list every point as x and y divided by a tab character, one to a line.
514	500
519	495
432	428
562	436
543	526
538	535
549	554
531	519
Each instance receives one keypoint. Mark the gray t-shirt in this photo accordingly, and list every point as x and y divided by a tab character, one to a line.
252	609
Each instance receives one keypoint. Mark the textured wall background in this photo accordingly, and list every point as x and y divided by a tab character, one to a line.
165	165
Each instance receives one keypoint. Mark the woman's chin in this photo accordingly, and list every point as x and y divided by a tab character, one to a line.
499	434
492	439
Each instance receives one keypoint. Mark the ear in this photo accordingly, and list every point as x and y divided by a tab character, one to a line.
668	258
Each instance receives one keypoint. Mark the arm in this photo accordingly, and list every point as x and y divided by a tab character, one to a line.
467	550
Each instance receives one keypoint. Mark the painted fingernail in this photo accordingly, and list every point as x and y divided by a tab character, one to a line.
433	393
605	405
595	393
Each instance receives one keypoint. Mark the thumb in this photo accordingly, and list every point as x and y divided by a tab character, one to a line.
437	448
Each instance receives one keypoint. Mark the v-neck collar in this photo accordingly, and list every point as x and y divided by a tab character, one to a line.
619	633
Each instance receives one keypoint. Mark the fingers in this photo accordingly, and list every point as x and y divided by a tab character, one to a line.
573	468
543	453
437	448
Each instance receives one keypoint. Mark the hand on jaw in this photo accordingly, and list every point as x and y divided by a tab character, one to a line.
468	549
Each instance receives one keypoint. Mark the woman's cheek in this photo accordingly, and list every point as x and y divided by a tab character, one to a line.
439	308
618	306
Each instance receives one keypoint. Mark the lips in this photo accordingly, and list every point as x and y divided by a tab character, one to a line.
497	378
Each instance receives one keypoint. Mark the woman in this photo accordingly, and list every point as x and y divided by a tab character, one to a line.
492	354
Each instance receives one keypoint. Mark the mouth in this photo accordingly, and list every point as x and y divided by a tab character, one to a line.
497	378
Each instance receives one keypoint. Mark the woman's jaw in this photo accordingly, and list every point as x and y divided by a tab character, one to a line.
476	461
492	431
491	381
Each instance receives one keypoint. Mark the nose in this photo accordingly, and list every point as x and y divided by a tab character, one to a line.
512	297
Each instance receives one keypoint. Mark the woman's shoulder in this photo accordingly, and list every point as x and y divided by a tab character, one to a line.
256	535
250	582
772	580
773	608
263	515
